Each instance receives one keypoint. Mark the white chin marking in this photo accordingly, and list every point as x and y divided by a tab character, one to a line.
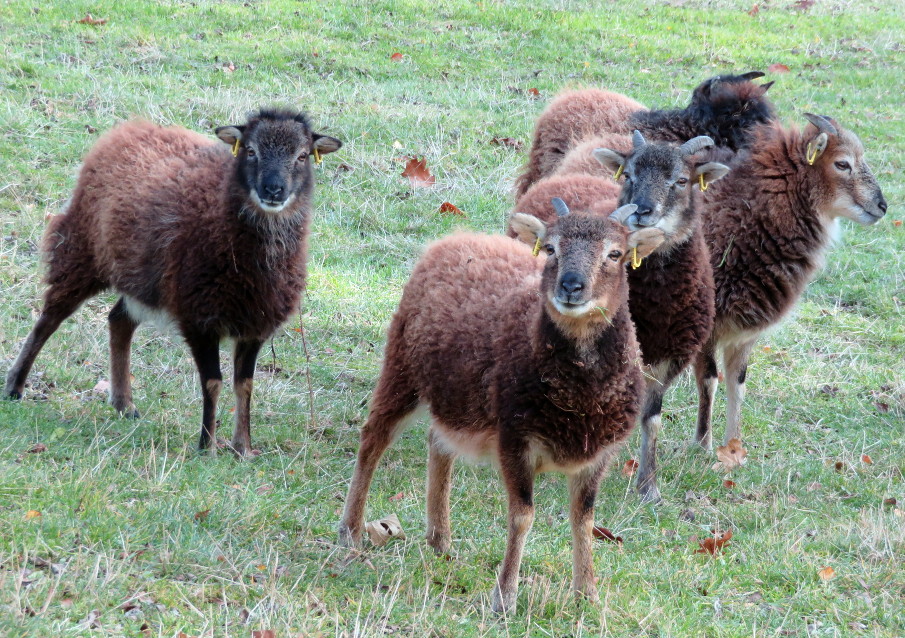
573	311
267	208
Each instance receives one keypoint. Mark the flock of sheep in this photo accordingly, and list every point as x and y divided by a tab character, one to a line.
538	350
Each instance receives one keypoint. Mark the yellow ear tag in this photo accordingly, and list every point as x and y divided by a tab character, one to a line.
811	154
619	171
317	157
636	260
536	250
236	148
704	185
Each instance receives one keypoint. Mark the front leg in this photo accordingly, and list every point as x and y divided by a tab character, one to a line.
245	355
205	350
582	494
663	374
518	477
735	363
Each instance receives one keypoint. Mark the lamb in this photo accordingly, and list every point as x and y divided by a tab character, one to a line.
725	108
529	362
768	226
671	292
186	232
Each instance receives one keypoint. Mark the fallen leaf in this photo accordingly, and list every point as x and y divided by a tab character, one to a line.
754	11
827	573
890	502
30	514
778	68
417	172
714	544
264	488
37	448
803	5
882	407
507	141
603	534
397	497
101	386
382	531
90	19
630	467
839	465
728	484
730	456
229	68
533	92
397	57
451	209
202	515
865	458
264	633
897	223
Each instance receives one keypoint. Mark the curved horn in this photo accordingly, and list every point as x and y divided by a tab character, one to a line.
623	212
696	144
752	75
560	206
637	139
822	123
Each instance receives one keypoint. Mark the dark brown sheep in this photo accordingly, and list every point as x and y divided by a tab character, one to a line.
189	234
768	225
529	362
724	107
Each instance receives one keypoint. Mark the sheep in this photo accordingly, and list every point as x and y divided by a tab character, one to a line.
768	226
188	234
529	362
724	107
671	292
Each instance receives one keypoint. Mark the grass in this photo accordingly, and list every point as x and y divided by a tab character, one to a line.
123	546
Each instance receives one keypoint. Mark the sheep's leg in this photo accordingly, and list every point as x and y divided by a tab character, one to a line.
122	327
735	364
518	476
205	349
707	377
662	377
439	475
245	355
582	494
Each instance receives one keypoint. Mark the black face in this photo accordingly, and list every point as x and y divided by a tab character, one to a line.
731	105
658	181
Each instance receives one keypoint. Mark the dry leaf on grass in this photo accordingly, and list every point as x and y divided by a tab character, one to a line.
90	19
451	209
714	544
202	515
603	534
263	633
730	456
101	386
778	68
754	11
827	573
382	531
507	141
30	514
397	57
397	497
865	458
533	92
630	467
417	172
37	448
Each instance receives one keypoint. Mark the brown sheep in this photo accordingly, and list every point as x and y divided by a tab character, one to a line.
531	363
189	234
768	225
724	107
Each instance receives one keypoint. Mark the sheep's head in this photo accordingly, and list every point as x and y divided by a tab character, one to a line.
660	180
273	157
845	185
584	276
731	105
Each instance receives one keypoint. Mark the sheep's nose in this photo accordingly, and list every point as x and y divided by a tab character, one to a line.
274	190
882	205
571	283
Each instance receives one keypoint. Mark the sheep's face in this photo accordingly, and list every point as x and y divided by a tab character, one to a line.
732	105
660	180
273	158
845	184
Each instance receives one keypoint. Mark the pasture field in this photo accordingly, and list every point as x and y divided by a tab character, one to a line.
119	528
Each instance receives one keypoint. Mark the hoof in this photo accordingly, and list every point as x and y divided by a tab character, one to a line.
129	413
440	544
346	537
650	495
15	395
502	603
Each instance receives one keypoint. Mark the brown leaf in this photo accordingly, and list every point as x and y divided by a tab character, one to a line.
37	448
778	68
865	458
533	92
264	633
754	11
397	57
101	386
202	515
451	209
890	502
730	456
897	223
397	497
802	5
630	467
603	534
827	573
417	173
30	514
882	407
264	488
728	484
507	141
714	544
90	19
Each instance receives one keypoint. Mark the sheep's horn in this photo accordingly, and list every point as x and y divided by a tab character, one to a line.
822	123
766	85
752	75
622	213
637	139
696	144
561	208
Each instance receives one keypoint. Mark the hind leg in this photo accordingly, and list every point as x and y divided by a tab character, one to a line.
663	376
735	363
205	349
439	475
122	327
706	375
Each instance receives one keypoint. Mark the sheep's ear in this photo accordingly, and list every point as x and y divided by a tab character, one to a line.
766	85
609	158
528	229
646	240
324	143
711	172
230	134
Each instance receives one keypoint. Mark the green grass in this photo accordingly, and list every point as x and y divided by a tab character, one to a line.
118	533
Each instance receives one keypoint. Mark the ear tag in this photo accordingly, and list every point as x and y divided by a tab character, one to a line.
536	250
619	171
235	148
811	154
636	261
704	185
317	157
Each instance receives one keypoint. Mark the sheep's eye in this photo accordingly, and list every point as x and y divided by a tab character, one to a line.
843	166
549	249
302	157
250	152
615	255
681	182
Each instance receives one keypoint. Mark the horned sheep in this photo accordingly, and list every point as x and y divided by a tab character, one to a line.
182	230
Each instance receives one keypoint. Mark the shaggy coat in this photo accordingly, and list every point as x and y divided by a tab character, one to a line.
724	108
481	338
580	159
581	192
189	235
768	225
